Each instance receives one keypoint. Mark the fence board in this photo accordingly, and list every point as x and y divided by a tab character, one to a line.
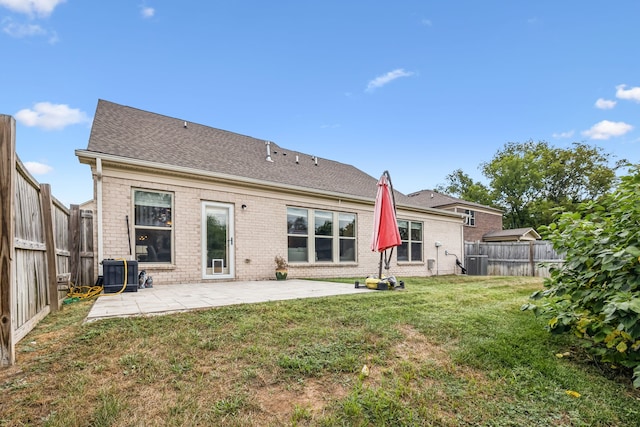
86	254
516	258
48	227
36	254
61	237
30	285
7	230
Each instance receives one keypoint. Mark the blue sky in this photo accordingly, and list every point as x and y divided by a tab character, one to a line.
420	88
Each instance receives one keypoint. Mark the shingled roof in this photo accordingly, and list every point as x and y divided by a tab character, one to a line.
433	199
135	134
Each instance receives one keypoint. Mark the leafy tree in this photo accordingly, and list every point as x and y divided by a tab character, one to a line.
596	293
516	177
462	186
531	179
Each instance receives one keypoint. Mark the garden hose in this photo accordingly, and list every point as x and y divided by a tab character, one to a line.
76	293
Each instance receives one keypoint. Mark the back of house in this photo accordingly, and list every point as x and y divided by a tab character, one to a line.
192	204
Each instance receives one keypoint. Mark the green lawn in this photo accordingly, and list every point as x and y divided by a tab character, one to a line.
447	351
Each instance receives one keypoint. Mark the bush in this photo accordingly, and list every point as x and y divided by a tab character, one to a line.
596	293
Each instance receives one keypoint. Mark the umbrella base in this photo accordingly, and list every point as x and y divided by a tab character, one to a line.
384	284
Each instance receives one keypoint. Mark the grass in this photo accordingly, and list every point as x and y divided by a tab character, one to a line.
447	351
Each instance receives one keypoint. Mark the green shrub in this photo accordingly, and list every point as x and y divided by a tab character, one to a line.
596	293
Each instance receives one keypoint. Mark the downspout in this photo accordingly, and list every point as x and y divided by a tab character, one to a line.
462	249
99	212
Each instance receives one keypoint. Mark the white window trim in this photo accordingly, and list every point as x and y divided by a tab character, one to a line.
335	236
409	241
150	227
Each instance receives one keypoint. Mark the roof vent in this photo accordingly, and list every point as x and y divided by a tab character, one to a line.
268	144
297	159
315	160
185	125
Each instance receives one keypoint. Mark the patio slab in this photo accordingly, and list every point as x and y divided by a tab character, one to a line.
165	299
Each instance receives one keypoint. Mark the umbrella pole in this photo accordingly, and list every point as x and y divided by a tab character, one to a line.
380	266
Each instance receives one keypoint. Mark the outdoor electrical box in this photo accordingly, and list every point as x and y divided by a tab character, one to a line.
113	276
477	265
431	264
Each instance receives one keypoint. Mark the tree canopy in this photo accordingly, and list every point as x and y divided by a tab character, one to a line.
463	187
530	180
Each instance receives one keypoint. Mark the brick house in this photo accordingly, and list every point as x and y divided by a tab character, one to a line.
479	219
194	204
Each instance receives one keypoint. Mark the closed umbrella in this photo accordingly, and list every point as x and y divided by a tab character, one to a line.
386	235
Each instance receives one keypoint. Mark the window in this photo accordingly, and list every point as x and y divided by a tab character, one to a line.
297	231
324	242
470	218
411	236
153	226
347	236
324	235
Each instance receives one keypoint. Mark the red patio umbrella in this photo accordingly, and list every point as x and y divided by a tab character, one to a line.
385	226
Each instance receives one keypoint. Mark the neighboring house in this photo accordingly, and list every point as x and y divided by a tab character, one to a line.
513	235
89	205
194	204
479	219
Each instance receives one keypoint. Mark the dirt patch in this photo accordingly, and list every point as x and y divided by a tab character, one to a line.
416	348
313	395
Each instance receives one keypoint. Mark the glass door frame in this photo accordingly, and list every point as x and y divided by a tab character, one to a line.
230	274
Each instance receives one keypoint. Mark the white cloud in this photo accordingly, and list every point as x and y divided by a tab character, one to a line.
42	8
632	94
427	22
50	116
36	168
606	129
18	30
567	134
605	104
387	78
147	12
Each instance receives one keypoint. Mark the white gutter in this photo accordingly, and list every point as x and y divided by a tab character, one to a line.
99	212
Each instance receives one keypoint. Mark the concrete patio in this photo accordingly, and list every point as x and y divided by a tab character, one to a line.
165	299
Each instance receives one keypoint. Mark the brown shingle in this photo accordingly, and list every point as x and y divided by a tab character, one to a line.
136	134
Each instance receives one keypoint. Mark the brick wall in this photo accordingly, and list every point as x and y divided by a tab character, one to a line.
260	230
485	223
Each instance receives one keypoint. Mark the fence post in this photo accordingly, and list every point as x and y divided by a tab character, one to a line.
87	269
49	240
74	244
7	235
532	263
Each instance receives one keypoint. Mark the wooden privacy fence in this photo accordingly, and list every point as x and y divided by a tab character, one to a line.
44	246
532	258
